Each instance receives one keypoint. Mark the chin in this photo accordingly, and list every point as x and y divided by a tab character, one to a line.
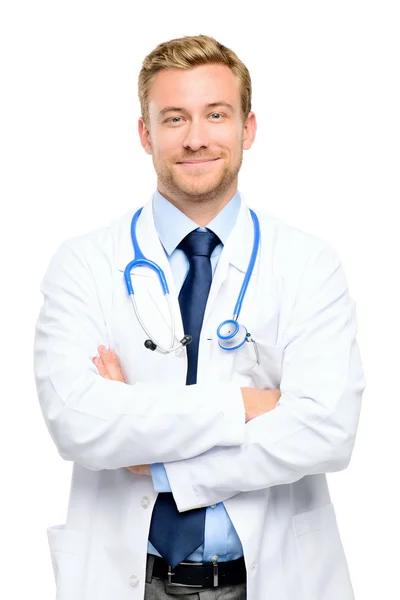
197	189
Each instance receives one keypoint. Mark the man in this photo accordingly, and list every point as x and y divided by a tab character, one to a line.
199	462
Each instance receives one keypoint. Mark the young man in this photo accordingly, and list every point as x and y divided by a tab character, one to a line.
201	427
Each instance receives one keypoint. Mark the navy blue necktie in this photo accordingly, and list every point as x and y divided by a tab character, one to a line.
176	535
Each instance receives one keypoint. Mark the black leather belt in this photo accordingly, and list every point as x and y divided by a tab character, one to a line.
202	575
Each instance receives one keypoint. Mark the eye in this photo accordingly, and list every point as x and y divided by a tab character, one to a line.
216	114
173	120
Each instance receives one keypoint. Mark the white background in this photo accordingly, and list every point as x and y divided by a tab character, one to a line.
326	160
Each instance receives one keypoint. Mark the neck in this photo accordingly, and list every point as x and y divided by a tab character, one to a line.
200	210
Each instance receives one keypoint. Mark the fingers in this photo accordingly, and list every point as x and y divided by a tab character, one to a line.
110	362
101	368
141	470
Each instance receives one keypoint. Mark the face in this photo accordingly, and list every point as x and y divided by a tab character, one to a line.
196	133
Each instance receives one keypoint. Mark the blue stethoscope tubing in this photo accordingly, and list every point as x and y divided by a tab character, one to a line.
228	331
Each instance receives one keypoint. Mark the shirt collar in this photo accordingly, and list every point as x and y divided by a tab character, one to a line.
166	213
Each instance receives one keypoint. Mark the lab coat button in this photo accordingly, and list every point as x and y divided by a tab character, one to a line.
134	580
145	502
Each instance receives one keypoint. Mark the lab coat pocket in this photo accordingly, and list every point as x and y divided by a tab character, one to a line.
321	559
266	373
68	551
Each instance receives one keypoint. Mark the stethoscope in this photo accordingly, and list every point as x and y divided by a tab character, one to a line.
231	335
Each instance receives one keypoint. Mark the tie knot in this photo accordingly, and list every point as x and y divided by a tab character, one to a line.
199	243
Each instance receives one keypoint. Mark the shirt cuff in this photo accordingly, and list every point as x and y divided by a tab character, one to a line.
160	478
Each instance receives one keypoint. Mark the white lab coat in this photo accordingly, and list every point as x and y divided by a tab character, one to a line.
270	473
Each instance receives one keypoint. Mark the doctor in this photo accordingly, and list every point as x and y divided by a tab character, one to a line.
201	422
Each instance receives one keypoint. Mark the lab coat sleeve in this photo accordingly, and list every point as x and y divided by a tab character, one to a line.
313	427
105	424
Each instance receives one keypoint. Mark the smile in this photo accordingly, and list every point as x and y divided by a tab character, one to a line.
197	163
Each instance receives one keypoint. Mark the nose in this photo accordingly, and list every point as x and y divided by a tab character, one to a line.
196	136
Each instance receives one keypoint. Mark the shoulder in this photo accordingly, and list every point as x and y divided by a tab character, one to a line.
96	247
290	244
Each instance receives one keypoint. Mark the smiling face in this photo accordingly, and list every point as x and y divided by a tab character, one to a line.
196	133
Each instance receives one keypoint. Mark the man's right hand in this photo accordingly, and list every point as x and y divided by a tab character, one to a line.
259	402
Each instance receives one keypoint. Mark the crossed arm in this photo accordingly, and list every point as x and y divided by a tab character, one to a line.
256	402
209	453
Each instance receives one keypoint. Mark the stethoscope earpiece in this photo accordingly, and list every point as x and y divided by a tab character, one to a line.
150	345
186	340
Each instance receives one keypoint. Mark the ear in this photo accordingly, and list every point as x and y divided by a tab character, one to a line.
144	135
249	131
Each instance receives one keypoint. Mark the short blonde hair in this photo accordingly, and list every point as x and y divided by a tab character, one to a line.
186	53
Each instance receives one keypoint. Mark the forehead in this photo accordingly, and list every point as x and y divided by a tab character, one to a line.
191	88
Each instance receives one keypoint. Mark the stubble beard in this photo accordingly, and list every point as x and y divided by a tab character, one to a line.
190	189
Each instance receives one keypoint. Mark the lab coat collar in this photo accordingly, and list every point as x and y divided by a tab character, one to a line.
239	245
236	251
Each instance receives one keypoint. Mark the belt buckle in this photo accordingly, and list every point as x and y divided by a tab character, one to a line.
193	564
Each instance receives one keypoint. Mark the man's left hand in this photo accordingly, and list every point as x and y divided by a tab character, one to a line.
108	366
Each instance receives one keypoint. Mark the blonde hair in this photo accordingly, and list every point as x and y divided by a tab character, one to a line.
186	53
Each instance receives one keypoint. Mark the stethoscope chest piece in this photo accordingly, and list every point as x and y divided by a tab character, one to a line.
231	335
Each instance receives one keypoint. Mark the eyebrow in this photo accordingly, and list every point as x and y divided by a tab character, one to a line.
181	109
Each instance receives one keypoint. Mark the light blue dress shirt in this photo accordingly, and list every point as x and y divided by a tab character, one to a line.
220	537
